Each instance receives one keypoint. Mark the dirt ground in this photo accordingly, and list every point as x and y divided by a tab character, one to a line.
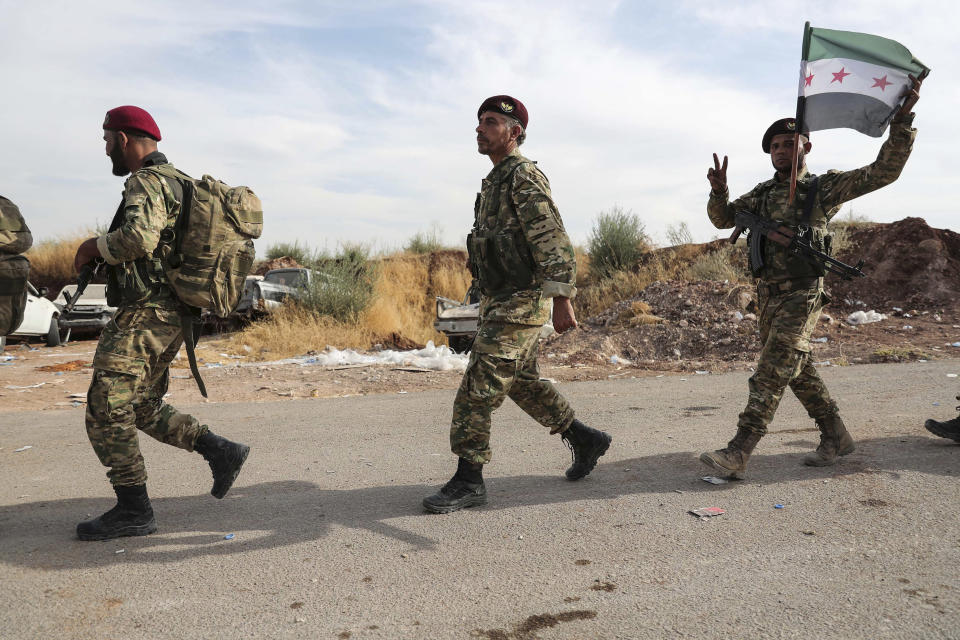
672	327
699	333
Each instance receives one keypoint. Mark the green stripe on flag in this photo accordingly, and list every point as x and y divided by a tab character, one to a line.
829	43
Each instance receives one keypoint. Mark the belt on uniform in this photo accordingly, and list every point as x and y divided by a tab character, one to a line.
786	286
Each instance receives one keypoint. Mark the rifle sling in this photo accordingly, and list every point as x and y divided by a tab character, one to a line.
188	326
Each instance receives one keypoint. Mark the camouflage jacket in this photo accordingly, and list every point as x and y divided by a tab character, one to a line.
15	237
769	199
515	197
135	273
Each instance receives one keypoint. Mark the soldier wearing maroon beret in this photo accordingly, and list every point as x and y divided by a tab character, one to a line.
520	258
131	364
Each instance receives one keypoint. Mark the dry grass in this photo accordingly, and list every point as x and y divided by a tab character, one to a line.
722	264
292	330
51	261
401	314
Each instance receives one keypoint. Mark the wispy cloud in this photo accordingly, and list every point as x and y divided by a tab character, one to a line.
357	124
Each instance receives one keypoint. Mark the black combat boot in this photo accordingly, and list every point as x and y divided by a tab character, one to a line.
465	489
225	458
132	516
834	441
948	429
732	459
586	445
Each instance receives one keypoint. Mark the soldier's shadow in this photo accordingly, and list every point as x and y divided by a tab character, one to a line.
282	513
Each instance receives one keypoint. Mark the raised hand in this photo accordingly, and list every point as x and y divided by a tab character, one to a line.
912	94
717	175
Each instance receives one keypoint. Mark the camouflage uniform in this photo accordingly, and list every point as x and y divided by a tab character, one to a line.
15	237
514	203
136	348
790	291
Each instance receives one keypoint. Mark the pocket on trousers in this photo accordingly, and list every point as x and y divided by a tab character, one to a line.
119	363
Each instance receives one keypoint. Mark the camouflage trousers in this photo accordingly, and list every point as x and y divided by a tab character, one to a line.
503	362
787	322
130	378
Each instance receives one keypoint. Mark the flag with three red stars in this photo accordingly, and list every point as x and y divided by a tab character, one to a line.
852	80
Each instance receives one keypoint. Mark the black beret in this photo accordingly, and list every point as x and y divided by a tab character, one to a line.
506	105
784	125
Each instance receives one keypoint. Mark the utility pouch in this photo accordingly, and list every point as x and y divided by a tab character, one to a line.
514	265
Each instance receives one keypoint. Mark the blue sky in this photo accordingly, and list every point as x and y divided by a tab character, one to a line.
354	121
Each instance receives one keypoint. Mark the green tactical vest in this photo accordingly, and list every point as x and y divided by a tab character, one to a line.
779	262
499	256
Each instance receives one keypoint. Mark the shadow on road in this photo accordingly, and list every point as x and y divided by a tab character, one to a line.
275	514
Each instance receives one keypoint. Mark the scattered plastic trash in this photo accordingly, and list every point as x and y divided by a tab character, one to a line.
778	506
908	326
229	536
714	480
213	365
738	316
7	358
29	446
955	344
936	404
865	317
707	512
951	375
119	551
618	360
898	309
821	340
701	373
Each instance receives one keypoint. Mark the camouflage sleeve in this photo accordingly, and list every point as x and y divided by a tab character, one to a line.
722	212
15	237
144	217
837	187
549	244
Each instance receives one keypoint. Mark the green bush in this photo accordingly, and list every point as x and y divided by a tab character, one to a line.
301	253
342	286
616	242
425	241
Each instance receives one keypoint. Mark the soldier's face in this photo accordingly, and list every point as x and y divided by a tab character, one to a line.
114	149
781	151
493	134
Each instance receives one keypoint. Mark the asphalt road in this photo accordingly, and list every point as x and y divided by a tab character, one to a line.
331	542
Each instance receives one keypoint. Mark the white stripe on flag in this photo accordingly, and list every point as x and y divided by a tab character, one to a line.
843	75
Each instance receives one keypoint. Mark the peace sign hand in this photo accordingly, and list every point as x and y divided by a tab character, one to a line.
717	175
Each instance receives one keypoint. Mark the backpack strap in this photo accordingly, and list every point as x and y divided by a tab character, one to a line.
189	326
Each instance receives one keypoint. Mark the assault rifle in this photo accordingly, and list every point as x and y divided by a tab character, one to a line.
797	242
87	272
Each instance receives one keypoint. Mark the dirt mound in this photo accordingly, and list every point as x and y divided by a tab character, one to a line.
670	324
285	262
909	265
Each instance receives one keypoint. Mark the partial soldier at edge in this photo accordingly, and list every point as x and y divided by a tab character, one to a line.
790	290
15	239
520	258
132	360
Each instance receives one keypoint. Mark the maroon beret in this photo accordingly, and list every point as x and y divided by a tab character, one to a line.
784	125
507	106
130	117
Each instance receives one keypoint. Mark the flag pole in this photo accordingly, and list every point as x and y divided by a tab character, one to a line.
801	104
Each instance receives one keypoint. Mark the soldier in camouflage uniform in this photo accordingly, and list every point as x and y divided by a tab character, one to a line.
790	291
520	258
136	348
15	239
